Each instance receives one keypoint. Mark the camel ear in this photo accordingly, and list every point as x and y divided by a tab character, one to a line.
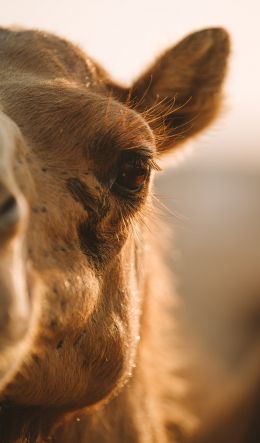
181	92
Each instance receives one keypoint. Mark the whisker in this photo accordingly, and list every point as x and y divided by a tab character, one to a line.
176	215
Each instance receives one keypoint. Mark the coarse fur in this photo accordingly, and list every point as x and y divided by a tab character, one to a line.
95	359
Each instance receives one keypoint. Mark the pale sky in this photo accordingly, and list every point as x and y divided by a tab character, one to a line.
125	35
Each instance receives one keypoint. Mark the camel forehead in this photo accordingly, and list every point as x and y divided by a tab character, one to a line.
45	55
60	100
65	122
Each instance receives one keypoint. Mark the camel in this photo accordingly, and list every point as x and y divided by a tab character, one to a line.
87	307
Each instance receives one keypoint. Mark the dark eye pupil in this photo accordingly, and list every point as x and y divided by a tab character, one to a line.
133	174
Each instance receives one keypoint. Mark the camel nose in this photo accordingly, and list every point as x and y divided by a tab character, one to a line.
13	207
9	209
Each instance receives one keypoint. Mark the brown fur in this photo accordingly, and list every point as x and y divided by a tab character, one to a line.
97	366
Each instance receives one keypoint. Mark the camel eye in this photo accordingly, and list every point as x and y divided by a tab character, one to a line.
133	172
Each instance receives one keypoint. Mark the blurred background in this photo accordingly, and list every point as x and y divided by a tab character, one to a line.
213	193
